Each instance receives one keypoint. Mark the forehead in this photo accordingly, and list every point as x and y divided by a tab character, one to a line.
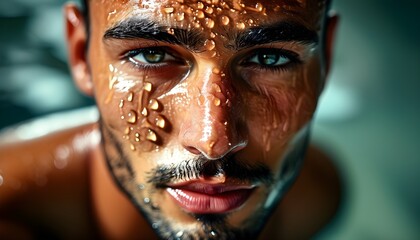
210	14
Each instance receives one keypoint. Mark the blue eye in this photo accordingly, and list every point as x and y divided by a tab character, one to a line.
270	58
150	56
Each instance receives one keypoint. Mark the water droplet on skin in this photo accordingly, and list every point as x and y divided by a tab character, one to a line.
155	225
130	97
132	147
127	130
209	22
216	70
200	14
200	5
225	20
216	87
121	103
213	234
211	144
186	9
140	186
209	44
259	7
160	122
154	104
240	25
144	112
151	136
132	117
168	10
171	31
147	86
212	35
217	102
146	200
209	10
111	68
179	17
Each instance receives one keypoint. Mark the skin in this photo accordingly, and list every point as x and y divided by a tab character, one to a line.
210	105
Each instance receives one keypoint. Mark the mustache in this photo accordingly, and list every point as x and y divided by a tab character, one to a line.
200	166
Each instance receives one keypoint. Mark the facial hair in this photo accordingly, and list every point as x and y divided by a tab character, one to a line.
208	226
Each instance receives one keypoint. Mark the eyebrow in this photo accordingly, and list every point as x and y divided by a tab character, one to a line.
140	28
285	31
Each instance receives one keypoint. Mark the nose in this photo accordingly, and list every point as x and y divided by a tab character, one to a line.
210	126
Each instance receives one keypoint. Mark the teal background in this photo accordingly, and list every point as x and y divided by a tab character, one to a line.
368	117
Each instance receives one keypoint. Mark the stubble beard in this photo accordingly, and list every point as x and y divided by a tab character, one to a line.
207	226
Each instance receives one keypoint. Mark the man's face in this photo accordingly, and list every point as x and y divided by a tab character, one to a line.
205	106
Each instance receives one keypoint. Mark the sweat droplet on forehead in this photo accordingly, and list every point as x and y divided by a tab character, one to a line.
209	15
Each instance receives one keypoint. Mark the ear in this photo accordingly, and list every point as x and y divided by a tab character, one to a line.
331	28
77	48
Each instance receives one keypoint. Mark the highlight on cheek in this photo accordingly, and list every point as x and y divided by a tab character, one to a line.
140	114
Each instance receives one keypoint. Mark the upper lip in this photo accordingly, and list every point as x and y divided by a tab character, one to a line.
204	187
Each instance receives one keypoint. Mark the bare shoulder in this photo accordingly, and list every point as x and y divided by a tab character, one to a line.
44	178
312	201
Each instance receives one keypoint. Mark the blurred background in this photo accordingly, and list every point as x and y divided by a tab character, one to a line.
368	117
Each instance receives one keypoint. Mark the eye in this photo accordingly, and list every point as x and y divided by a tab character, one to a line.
271	58
149	56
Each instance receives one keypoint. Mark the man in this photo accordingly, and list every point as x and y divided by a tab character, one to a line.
205	111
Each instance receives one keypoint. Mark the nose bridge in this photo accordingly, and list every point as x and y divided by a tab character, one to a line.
211	129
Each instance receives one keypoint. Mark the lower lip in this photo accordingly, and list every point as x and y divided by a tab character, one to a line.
200	203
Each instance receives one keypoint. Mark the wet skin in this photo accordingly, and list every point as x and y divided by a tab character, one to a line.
205	113
195	101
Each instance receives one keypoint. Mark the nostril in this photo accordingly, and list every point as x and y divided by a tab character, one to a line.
193	150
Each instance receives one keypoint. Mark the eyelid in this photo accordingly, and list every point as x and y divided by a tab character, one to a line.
293	56
129	55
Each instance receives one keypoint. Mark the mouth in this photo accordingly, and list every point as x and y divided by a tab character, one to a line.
204	198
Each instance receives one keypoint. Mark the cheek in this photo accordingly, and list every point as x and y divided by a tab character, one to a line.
277	112
130	107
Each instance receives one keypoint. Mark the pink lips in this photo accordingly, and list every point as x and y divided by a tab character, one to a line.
202	198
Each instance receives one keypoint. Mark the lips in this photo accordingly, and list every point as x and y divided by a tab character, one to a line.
202	198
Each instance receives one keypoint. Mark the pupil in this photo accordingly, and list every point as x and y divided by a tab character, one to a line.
268	59
154	56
